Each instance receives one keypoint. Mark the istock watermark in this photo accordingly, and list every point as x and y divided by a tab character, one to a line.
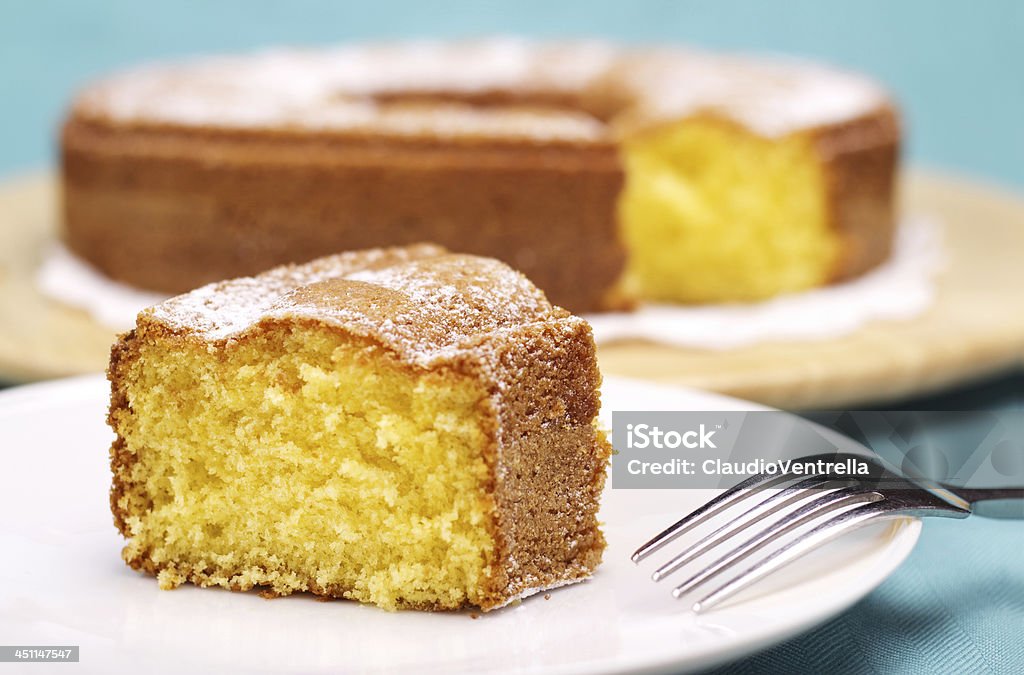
717	449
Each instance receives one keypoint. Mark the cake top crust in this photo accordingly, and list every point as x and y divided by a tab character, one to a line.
577	92
421	301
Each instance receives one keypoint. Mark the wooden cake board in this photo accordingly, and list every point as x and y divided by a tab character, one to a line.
975	327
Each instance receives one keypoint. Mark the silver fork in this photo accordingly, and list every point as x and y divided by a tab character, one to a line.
842	504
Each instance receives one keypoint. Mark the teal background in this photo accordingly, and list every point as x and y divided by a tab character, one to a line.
957	67
957	605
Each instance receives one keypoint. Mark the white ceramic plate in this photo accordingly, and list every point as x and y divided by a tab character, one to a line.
62	581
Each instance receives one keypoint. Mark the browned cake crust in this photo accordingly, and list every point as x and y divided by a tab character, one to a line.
862	159
216	205
519	165
446	313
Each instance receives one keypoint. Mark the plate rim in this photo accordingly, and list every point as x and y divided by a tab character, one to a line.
902	536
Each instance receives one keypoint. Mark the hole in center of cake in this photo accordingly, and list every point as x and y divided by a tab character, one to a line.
541	103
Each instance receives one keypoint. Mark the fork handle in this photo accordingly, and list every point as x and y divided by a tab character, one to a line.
994	502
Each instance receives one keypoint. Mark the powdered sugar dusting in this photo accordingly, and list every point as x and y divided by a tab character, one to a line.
535	586
421	301
334	89
771	97
339	89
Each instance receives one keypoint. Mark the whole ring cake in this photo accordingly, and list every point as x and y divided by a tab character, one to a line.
605	174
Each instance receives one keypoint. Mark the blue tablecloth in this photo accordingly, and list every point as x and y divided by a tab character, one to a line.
955	606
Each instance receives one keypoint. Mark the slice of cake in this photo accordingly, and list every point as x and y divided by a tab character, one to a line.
404	427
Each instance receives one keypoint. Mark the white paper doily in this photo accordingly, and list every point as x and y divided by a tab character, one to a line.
68	279
901	288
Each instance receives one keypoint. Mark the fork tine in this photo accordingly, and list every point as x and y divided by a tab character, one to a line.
733	495
779	500
803	515
743	490
847	521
